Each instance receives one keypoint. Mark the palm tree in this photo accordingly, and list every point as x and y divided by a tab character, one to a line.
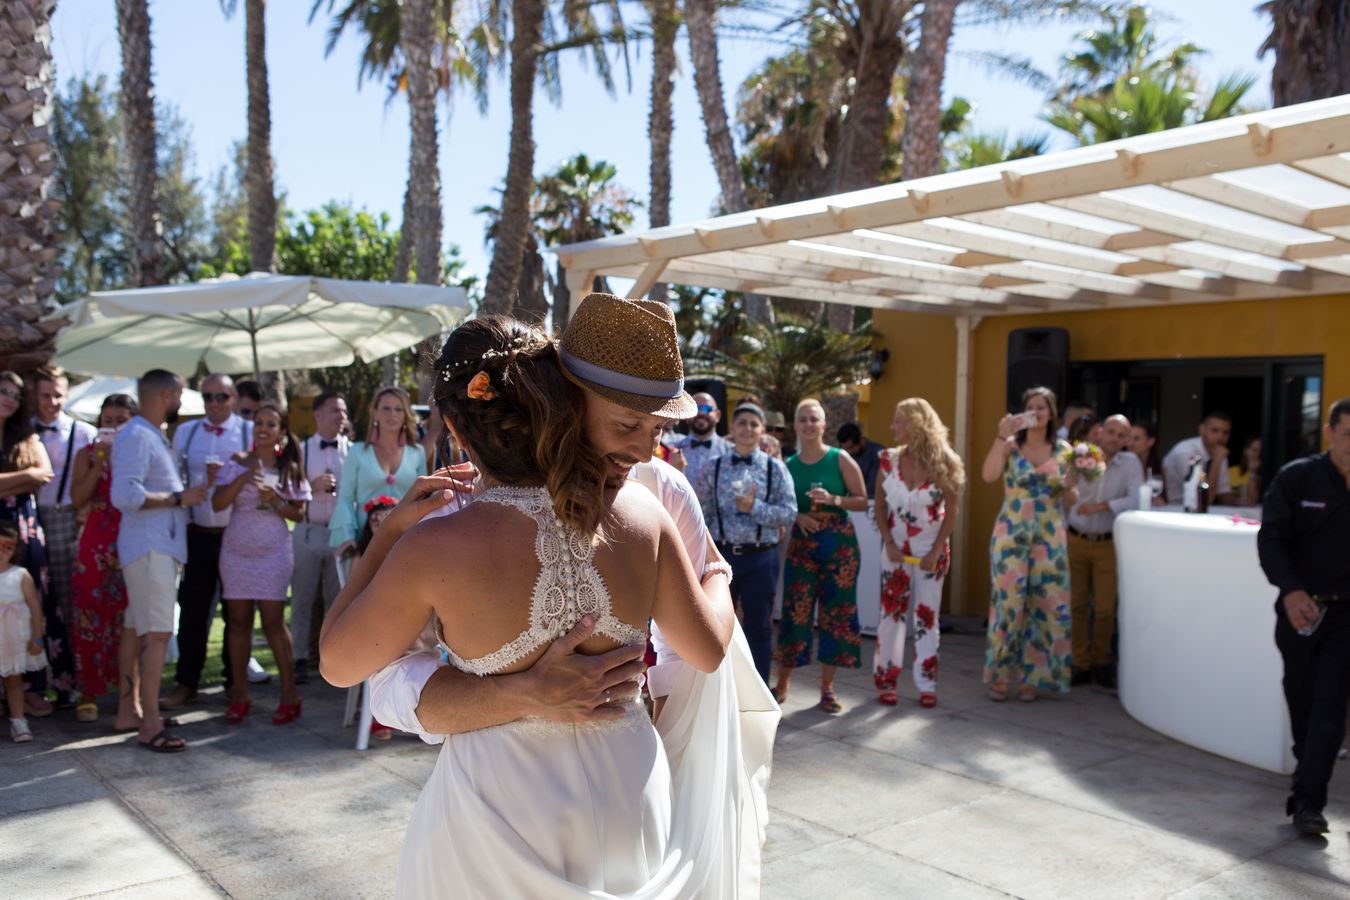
970	151
535	47
1129	46
787	361
1309	38
416	39
1146	103
665	23
922	144
137	103
30	241
527	28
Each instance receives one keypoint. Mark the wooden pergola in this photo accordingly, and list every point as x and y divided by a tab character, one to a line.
1247	208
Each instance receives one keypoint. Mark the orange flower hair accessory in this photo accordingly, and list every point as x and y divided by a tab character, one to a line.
480	388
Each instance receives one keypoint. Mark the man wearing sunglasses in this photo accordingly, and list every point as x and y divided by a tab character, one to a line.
703	444
201	447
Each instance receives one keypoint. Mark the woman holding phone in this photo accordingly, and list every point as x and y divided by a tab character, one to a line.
263	488
1028	635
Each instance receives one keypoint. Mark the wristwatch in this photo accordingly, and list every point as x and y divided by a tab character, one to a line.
177	498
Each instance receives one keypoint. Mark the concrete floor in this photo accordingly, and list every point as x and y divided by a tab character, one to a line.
1066	797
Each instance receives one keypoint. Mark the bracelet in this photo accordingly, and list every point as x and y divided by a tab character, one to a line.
713	568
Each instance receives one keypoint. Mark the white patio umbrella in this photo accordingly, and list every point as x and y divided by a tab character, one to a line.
253	323
86	398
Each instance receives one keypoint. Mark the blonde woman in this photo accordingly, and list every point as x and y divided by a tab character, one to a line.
387	462
918	497
821	579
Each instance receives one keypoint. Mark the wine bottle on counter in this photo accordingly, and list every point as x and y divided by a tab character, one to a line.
1190	488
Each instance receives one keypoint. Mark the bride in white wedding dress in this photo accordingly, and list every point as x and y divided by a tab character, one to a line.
537	808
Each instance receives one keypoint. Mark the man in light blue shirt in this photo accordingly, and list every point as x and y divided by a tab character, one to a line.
703	443
151	546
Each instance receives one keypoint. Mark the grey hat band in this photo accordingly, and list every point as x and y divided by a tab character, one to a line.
618	381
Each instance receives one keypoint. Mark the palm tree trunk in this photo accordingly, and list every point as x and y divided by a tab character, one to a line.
403	255
1309	38
876	51
424	178
698	17
262	202
921	144
504	273
137	102
661	120
30	228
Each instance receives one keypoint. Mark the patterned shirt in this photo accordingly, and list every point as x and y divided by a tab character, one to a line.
698	452
142	463
730	475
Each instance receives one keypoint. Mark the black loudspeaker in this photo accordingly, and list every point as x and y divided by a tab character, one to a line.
718	389
1037	357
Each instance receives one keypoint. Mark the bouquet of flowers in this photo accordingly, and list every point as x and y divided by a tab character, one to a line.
1085	459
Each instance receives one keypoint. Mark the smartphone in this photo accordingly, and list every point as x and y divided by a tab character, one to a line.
1024	420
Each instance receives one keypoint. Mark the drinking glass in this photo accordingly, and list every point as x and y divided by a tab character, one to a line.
269	480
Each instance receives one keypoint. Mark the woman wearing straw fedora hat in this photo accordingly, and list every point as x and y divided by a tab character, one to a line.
619	417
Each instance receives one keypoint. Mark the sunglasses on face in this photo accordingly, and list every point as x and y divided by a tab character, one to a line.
216	398
706	409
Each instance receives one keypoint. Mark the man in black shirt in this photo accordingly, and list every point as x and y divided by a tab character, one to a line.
1304	539
866	453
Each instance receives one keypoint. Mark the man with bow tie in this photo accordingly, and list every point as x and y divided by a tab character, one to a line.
314	579
703	443
748	498
63	437
213	440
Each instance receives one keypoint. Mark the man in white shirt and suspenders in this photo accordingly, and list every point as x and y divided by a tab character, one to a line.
63	437
315	574
200	448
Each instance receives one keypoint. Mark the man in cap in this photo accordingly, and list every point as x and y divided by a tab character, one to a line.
624	355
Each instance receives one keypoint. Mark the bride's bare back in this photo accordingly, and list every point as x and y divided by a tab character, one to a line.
478	571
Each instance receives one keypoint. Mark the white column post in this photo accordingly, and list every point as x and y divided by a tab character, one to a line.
965	327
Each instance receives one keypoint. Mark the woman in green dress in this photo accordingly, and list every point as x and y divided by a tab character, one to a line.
821	578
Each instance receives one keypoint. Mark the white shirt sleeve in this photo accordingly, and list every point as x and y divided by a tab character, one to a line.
396	690
679	499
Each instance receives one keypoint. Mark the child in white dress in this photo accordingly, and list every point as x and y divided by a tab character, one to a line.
21	630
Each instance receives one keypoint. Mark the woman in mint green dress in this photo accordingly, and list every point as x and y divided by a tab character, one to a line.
1028	634
820	583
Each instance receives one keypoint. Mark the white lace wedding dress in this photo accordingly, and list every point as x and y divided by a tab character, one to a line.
537	809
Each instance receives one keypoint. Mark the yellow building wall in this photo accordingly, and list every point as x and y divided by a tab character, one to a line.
923	362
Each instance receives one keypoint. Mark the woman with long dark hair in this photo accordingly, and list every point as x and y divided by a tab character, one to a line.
105	652
584	809
266	487
24	467
1028	630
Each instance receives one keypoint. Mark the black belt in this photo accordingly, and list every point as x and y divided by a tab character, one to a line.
206	529
744	549
1105	536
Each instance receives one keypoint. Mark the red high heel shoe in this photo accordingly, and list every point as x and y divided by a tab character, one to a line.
286	713
236	712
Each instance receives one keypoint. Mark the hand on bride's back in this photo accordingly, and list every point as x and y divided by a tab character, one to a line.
427	494
567	686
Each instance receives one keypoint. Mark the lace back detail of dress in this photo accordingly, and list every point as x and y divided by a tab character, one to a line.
568	587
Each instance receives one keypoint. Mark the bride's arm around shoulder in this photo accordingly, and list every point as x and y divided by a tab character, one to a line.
388	596
695	627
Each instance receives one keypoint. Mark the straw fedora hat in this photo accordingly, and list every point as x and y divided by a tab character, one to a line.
626	351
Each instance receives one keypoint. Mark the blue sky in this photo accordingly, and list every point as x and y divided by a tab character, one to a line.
332	140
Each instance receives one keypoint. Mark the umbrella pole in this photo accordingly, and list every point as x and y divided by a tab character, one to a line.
253	344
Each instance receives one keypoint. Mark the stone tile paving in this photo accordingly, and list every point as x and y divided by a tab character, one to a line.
1065	797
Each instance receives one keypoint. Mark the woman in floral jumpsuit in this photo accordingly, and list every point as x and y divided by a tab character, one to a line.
1028	635
918	497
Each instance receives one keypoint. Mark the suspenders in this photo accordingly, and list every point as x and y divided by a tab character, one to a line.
65	469
717	501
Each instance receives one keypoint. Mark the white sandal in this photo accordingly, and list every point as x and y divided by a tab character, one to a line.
19	731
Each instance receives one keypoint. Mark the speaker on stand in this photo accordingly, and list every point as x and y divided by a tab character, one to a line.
1037	357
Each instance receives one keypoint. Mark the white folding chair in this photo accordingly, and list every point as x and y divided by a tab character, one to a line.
358	695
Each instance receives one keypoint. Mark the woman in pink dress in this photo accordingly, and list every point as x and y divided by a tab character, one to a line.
103	649
262	489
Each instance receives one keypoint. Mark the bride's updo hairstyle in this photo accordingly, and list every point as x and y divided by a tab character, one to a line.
499	383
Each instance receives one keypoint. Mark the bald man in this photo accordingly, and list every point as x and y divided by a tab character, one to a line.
1092	554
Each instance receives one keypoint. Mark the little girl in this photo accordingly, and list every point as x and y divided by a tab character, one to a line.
21	630
376	509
